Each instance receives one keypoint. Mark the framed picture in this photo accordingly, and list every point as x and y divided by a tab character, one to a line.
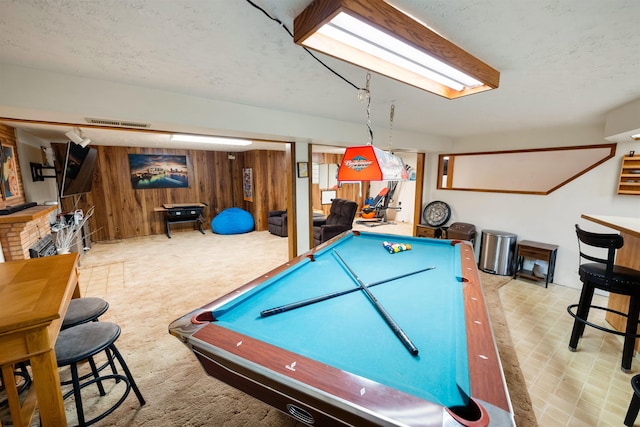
247	184
303	169
158	171
9	174
327	196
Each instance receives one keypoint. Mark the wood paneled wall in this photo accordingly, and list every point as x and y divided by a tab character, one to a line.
215	178
8	137
269	170
345	191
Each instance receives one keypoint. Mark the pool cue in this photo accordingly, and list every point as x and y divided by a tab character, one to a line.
309	301
387	318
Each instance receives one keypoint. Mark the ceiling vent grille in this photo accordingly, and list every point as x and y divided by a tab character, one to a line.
121	123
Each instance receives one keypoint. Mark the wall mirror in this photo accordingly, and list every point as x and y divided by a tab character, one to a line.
535	171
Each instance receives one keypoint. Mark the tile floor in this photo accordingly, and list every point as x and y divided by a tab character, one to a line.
585	388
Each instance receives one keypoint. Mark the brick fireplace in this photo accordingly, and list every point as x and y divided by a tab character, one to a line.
21	230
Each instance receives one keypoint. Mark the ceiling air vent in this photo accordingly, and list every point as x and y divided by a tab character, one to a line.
121	123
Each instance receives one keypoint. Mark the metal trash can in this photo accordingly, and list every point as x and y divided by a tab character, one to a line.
497	249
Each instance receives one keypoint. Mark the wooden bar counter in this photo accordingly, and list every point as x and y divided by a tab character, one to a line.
34	297
628	256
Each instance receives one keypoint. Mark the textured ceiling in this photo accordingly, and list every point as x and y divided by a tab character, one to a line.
562	62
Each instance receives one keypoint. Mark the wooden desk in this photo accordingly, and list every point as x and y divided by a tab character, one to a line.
628	256
34	297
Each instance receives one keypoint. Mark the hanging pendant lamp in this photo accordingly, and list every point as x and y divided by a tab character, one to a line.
369	163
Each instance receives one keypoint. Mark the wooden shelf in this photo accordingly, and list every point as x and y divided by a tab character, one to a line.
629	182
528	274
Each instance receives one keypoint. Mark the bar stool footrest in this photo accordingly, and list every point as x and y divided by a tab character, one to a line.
117	378
593	325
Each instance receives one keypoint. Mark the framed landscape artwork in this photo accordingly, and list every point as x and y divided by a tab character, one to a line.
158	171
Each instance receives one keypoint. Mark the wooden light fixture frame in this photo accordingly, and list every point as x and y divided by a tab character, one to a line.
394	22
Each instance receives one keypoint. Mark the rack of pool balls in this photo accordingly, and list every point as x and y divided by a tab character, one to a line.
393	248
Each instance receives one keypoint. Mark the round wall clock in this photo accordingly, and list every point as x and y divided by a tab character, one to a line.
436	214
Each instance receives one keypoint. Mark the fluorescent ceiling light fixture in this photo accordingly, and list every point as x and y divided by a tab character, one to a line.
636	137
210	139
378	37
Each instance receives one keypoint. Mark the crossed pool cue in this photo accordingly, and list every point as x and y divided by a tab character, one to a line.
362	287
381	310
313	300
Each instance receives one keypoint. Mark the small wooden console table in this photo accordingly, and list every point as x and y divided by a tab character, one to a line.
538	251
426	231
182	212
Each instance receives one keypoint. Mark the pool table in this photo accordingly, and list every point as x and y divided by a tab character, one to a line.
406	342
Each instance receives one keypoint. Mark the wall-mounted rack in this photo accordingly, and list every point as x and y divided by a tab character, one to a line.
37	172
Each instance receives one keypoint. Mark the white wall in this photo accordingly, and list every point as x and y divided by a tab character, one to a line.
29	150
550	218
302	200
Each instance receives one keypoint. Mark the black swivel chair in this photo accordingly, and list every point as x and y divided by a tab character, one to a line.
602	273
339	220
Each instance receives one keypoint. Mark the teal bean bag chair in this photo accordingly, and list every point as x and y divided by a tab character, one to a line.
232	221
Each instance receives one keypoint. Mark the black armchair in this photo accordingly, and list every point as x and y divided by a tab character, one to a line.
277	223
340	219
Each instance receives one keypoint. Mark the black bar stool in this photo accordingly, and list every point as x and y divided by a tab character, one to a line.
83	342
603	273
634	405
82	310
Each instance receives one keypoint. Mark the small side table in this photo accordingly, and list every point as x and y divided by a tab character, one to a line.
426	231
537	251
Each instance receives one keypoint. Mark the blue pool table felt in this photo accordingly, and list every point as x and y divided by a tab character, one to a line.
349	334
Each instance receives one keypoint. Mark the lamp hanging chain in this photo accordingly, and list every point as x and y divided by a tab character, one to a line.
365	95
391	114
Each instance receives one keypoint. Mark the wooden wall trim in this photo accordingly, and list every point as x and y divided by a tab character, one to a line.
292	223
417	205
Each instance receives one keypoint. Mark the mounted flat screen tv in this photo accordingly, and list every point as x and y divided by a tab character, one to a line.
77	174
